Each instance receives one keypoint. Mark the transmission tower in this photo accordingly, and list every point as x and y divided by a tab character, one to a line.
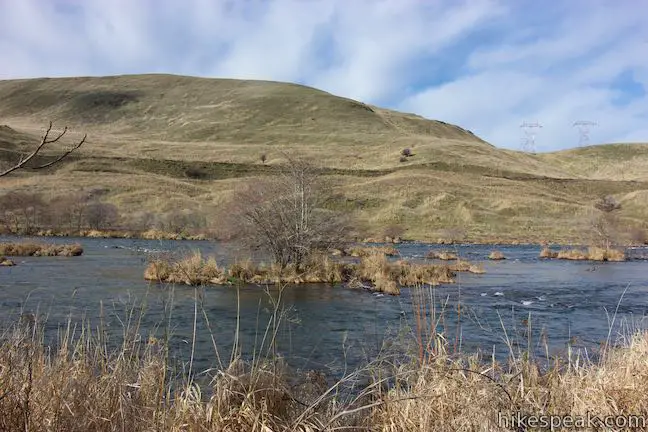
528	142
584	130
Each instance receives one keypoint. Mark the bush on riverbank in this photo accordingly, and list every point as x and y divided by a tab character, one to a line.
373	270
6	262
40	249
82	385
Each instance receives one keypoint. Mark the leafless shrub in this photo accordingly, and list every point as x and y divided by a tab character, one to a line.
284	216
451	235
180	221
605	227
263	158
22	212
407	152
196	173
101	215
393	232
403	159
141	221
69	211
638	235
607	204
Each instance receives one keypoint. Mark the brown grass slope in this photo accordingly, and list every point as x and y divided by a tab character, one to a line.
621	161
147	132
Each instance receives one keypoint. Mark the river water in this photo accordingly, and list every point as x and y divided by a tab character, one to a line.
333	327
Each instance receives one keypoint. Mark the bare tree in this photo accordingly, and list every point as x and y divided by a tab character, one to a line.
101	215
605	225
45	140
22	211
283	215
69	210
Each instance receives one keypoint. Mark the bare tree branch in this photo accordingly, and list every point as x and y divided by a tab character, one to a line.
45	140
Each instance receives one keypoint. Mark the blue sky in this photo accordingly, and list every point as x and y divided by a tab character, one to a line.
486	65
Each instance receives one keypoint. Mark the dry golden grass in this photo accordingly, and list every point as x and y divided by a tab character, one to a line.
40	249
462	395
82	385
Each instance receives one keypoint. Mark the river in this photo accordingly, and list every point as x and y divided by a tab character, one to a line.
332	327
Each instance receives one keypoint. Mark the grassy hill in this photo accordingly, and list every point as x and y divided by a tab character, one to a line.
163	142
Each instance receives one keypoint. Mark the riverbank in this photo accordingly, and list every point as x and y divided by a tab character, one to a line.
153	234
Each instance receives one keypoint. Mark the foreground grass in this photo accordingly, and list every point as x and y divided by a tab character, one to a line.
81	384
40	249
373	271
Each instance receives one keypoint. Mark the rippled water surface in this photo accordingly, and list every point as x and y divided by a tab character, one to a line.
332	326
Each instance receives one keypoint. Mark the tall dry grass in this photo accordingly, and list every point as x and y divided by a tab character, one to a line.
82	384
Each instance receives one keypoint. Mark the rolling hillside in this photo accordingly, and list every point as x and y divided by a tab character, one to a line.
162	142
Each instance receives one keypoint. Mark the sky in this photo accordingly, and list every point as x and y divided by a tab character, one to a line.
485	65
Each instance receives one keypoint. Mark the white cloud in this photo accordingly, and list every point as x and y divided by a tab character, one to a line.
486	65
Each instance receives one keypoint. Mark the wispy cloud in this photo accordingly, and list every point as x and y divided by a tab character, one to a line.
486	65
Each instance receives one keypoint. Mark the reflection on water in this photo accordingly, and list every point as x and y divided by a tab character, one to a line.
329	326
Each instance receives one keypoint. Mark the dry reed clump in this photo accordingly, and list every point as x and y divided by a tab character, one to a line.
591	254
410	274
192	270
154	234
603	254
442	255
467	267
468	395
6	262
548	253
360	252
38	249
496	255
573	254
373	271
